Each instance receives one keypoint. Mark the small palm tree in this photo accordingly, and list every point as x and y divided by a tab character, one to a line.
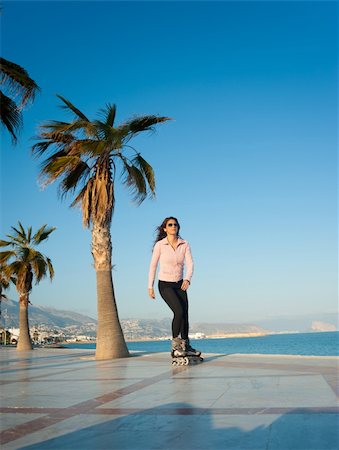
4	284
20	89
86	155
23	263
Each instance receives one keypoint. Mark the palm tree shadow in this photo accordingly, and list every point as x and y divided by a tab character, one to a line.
181	426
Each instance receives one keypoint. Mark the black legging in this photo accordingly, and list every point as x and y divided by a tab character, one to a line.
177	300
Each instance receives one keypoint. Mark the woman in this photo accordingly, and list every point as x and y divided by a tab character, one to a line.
173	252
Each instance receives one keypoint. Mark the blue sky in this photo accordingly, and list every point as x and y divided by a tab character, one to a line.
248	163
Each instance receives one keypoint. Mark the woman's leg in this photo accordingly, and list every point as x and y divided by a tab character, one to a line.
182	295
170	293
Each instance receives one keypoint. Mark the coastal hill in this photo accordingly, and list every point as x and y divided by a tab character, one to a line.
55	319
41	315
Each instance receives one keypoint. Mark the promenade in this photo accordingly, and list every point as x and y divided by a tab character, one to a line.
63	399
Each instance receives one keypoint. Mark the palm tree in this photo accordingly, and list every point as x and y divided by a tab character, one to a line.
4	285
18	85
86	156
23	263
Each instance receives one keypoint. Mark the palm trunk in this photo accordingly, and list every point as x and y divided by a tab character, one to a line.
110	338
24	342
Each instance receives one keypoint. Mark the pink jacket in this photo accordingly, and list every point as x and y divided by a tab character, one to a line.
171	262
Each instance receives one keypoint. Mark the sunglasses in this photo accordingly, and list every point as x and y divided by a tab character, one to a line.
172	225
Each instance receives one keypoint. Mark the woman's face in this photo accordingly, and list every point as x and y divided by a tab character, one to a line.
171	227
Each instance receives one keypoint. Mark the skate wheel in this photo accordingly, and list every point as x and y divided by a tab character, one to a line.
186	361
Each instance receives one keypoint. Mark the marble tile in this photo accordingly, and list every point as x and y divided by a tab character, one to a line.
287	391
67	400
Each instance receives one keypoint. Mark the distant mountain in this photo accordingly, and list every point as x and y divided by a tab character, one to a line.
133	328
41	315
317	325
219	329
141	328
301	323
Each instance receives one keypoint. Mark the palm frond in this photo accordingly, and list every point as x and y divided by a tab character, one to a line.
97	200
24	278
11	269
10	116
147	170
63	164
135	180
95	148
70	106
40	148
42	234
54	126
25	254
4	279
16	240
22	232
44	167
7	272
91	148
79	172
47	176
109	113
103	131
54	157
4	243
39	267
50	268
51	126
6	255
59	140
20	235
81	147
84	199
139	124
17	81
29	234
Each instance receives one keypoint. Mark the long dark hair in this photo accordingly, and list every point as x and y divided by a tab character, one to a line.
161	234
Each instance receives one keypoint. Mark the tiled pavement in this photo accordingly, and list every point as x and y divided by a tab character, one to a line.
64	399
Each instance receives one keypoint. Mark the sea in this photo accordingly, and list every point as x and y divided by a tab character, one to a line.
306	344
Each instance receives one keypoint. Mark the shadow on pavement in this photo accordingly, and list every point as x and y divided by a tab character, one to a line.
181	426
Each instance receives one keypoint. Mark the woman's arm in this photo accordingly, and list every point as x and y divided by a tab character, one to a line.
189	263
153	268
189	268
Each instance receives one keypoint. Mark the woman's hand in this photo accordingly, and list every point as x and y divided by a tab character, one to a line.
185	285
151	293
